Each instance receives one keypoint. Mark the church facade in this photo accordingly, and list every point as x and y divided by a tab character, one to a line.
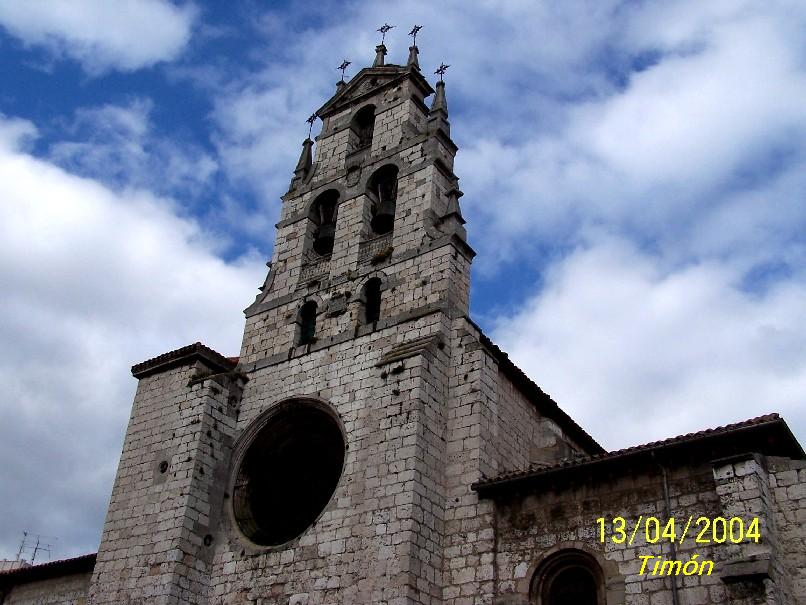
370	445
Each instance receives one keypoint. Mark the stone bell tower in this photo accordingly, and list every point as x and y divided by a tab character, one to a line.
332	461
352	333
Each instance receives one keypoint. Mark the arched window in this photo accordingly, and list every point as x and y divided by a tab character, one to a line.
382	193
372	300
362	127
323	221
307	323
570	577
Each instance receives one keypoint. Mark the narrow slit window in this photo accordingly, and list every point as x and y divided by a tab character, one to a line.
307	323
372	301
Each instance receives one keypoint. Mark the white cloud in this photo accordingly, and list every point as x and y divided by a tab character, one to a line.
95	280
719	112
102	35
15	133
636	353
691	119
117	144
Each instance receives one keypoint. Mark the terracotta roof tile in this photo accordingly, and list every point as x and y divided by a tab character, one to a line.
75	565
768	420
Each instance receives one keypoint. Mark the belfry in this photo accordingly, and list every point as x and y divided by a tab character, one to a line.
370	445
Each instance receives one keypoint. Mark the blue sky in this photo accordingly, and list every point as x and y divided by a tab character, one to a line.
634	178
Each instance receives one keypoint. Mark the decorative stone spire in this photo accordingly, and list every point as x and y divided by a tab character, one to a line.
452	221
440	103
438	116
380	53
413	61
453	205
304	164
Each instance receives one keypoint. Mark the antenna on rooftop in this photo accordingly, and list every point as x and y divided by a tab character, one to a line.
35	544
22	544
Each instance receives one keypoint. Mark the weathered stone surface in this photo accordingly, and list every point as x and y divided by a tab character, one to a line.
428	407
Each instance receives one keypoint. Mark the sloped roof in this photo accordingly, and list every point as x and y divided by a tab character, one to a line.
768	434
539	398
361	86
52	569
184	355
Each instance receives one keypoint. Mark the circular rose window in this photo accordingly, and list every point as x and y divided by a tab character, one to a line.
290	464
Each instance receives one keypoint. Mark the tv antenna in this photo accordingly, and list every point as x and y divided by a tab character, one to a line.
35	544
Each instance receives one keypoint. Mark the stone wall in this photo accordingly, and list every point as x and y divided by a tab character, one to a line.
378	539
536	523
67	590
493	427
168	490
787	482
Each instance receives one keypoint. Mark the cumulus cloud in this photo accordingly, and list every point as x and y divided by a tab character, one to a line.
95	280
718	111
102	35
636	353
117	144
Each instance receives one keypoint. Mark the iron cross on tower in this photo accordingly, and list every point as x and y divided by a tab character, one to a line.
343	67
310	121
384	29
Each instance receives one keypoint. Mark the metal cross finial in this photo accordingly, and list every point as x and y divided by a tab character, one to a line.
413	33
383	29
441	70
310	121
342	67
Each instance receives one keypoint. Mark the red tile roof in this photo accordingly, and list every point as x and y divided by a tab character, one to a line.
52	569
768	433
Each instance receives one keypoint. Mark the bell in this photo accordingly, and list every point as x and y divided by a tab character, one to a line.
325	236
384	218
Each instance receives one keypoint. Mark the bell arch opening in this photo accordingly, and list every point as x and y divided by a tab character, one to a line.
382	194
288	471
322	226
362	128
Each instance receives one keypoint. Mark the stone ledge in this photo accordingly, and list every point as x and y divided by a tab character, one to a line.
408	349
756	567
